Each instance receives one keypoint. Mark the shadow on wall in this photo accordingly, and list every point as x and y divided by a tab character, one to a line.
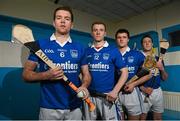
24	54
12	54
19	100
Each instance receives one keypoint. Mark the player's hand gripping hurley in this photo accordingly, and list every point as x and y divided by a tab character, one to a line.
164	45
24	35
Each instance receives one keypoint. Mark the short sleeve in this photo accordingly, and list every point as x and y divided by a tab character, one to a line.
33	57
118	59
83	60
140	59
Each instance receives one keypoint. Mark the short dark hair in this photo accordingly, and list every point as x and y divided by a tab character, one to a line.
148	36
122	31
98	22
65	8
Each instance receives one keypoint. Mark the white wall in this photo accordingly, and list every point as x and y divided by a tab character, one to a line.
155	19
42	11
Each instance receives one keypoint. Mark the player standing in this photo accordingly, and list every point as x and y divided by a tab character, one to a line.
130	96
58	101
102	61
152	87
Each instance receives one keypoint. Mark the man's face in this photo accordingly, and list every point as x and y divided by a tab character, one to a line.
98	32
62	22
122	40
147	44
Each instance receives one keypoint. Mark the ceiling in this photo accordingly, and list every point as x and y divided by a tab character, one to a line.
113	10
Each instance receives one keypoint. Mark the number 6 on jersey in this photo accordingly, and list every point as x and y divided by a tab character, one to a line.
24	35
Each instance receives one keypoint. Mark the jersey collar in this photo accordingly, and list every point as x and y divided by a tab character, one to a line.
146	54
53	38
106	44
143	53
127	50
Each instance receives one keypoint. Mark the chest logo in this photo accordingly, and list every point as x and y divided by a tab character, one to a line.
105	56
48	51
130	59
74	53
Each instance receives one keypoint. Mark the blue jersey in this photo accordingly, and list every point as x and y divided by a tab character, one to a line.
155	81
134	60
102	65
70	57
